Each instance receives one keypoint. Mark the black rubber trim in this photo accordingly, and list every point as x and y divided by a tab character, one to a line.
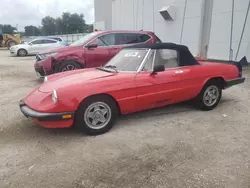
40	70
28	112
236	81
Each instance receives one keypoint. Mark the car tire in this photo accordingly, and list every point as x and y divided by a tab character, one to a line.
11	43
6	43
209	97
22	52
68	66
96	115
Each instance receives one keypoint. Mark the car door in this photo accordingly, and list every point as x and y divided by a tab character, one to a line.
101	54
122	40
162	88
192	80
35	46
128	39
48	44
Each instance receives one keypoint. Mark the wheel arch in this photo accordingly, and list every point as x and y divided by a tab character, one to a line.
103	94
56	63
6	42
22	49
218	79
197	100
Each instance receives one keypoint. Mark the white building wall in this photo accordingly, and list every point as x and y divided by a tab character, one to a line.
219	44
103	14
145	15
192	25
188	26
169	31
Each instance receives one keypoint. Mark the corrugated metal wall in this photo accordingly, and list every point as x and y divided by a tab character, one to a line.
188	27
144	14
219	43
103	14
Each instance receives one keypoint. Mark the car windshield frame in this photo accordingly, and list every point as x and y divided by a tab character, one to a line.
84	39
112	68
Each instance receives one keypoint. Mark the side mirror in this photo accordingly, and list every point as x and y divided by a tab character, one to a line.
92	45
30	44
158	68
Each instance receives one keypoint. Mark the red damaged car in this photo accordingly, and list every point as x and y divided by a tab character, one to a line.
92	50
137	78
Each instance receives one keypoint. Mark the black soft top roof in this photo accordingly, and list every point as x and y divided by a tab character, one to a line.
161	46
185	56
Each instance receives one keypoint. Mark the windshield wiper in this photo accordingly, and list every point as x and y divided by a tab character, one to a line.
103	69
111	67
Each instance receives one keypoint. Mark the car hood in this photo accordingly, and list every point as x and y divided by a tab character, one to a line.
68	79
20	46
59	49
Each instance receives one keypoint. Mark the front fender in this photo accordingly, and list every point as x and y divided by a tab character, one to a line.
56	62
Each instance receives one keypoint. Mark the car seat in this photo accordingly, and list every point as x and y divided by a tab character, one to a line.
167	62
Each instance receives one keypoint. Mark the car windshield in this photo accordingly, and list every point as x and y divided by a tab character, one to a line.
84	39
127	60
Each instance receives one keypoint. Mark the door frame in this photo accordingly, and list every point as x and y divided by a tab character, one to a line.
118	45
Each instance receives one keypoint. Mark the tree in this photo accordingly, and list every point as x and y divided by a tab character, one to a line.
8	29
66	24
76	23
59	26
32	31
49	25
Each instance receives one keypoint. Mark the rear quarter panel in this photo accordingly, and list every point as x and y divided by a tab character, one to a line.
226	71
195	77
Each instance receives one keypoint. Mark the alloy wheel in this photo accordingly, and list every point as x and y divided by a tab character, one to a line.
69	68
22	52
211	95
97	115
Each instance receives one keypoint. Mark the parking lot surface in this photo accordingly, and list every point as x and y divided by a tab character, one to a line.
175	146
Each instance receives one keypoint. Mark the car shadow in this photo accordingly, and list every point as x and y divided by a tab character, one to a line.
27	129
166	111
39	80
170	109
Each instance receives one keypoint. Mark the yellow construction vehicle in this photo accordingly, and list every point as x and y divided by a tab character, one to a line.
8	40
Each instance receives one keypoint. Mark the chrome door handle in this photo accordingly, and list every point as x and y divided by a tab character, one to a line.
179	72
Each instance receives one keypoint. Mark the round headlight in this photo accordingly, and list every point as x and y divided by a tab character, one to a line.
54	96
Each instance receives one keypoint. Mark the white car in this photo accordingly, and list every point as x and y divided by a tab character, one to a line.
35	46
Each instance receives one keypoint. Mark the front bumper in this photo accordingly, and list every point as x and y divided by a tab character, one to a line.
41	72
43	67
13	52
41	116
233	82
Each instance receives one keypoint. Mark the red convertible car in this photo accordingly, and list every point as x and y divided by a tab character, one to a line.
138	78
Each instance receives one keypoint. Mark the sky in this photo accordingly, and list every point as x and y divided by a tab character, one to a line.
31	12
